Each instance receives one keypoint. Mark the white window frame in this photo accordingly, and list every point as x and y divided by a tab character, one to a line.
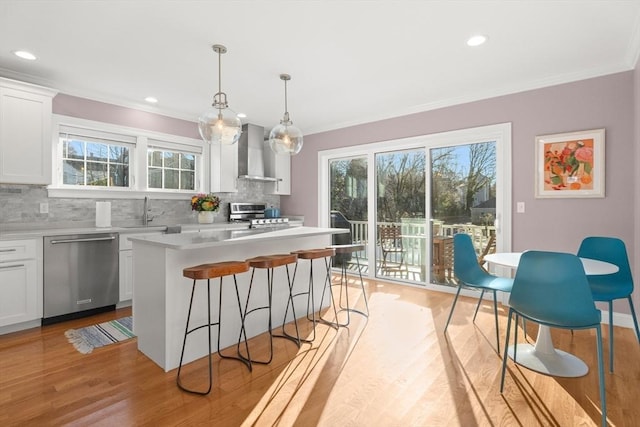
163	146
91	136
140	141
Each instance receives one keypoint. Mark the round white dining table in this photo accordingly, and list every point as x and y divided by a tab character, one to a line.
542	356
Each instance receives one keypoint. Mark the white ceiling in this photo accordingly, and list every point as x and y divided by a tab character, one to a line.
350	61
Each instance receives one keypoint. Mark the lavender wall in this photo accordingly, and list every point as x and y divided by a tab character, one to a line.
548	224
636	121
93	110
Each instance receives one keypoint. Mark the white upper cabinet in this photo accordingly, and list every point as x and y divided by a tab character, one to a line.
223	168
277	166
25	133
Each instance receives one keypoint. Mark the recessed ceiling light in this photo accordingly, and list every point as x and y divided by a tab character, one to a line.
241	115
151	100
476	40
24	55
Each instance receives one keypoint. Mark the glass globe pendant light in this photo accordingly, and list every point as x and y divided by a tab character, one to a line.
285	138
219	123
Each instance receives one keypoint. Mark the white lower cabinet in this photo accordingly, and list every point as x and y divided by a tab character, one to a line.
126	264
20	283
126	275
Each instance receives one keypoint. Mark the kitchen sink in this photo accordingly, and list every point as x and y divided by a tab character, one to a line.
174	229
143	228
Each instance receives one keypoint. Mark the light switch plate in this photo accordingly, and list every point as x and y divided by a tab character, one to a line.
520	207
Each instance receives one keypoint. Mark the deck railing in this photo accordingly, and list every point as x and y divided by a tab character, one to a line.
413	235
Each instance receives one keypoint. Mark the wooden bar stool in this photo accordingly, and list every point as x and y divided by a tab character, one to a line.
352	249
211	271
269	263
312	254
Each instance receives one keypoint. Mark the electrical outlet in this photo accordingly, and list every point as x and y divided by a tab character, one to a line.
520	207
44	208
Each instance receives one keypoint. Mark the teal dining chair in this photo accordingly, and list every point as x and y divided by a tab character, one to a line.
609	287
470	274
551	288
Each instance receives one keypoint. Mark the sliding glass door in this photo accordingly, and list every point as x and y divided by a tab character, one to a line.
406	204
348	201
463	200
401	215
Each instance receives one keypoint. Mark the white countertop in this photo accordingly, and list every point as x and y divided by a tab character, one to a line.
41	231
206	239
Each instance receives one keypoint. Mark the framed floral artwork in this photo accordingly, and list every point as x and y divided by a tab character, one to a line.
570	164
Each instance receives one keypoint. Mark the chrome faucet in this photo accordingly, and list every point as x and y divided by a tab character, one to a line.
146	218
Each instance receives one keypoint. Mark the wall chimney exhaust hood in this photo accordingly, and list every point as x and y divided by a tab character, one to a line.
250	154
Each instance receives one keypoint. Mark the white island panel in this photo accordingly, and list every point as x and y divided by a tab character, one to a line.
161	294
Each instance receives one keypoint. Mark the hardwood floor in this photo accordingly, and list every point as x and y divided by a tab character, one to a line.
394	369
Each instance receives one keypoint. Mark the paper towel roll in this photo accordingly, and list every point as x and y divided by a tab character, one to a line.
103	214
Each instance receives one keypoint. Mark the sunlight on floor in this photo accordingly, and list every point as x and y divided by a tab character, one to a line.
287	396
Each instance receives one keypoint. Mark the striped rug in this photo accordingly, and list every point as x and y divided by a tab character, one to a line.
94	336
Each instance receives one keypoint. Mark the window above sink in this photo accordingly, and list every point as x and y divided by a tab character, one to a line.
99	160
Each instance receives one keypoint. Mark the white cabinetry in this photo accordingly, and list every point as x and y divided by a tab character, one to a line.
25	133
277	166
20	281
223	168
126	264
126	275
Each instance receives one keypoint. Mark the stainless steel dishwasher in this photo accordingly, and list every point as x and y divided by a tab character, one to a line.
80	275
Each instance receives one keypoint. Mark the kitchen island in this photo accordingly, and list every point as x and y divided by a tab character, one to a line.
161	294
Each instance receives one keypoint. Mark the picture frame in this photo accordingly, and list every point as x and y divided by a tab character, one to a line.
570	165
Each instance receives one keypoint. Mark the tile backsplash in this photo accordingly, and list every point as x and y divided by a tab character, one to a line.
20	205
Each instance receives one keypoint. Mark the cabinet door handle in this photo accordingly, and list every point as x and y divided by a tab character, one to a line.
8	250
11	266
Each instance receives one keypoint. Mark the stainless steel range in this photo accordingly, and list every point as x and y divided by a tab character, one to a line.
253	213
269	222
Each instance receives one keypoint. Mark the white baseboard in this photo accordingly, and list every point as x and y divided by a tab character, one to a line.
20	326
619	319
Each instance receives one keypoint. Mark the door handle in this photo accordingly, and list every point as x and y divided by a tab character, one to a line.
92	239
11	266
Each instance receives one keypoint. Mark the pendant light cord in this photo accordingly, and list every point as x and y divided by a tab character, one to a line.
286	109
219	72
285	119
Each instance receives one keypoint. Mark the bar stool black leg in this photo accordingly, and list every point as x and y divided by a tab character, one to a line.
248	358
344	288
310	300
210	271
328	285
187	332
364	293
268	263
235	280
270	281
284	334
311	303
